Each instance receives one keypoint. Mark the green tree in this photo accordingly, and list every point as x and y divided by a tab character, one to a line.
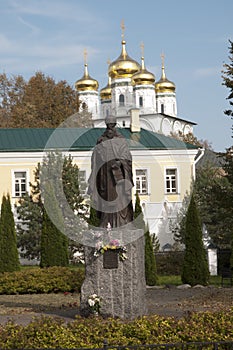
54	244
213	194
178	225
65	175
9	257
29	229
150	262
93	219
228	79
195	266
155	242
138	214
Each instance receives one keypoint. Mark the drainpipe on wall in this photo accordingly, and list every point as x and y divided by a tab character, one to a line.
199	156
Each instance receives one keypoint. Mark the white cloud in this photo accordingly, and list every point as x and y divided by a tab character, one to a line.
34	29
18	59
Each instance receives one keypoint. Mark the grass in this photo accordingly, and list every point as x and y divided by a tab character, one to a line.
176	280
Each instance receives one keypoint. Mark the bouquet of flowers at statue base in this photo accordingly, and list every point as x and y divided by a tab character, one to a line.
94	303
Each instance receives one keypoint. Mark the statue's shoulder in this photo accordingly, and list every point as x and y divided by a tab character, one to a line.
118	134
101	139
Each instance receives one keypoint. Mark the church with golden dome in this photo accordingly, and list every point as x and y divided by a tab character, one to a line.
130	87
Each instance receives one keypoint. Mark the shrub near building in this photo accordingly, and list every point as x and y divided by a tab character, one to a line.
195	266
9	258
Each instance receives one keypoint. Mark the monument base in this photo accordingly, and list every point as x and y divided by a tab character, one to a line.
119	283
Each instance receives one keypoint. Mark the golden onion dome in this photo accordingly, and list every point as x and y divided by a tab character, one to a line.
123	66
106	92
143	77
164	85
86	82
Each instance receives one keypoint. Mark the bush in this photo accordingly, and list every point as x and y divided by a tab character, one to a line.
195	266
150	262
9	257
169	263
46	332
46	280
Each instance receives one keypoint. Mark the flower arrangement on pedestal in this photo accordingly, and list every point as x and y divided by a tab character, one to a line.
94	303
114	244
107	243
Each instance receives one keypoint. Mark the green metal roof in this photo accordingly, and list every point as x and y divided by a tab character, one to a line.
75	139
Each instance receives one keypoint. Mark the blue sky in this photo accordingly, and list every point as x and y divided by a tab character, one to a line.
51	35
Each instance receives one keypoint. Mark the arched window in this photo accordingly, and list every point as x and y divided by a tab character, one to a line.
107	113
162	108
140	101
123	123
122	100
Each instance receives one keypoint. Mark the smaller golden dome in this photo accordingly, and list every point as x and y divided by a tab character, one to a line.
164	85
143	77
106	92
124	66
86	82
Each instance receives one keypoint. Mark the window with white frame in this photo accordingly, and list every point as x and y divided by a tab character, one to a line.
141	181
19	183
171	181
82	181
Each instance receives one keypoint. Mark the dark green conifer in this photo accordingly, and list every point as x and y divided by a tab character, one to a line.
195	265
54	244
9	257
138	214
150	262
93	219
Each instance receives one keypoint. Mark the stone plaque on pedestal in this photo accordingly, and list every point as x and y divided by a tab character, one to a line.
110	259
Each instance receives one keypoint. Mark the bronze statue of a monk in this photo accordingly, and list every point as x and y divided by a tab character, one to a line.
111	180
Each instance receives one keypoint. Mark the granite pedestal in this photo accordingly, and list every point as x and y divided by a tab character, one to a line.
120	284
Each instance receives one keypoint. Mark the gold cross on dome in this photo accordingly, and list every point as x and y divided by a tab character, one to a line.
123	29
142	48
162	58
85	55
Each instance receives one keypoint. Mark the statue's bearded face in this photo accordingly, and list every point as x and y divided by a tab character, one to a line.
111	126
110	134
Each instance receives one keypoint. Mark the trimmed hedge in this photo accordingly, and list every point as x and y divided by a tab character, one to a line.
46	280
47	332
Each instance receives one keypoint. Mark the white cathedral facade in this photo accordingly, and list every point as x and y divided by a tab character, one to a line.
132	86
139	102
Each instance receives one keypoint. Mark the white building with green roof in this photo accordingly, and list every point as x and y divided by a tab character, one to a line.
163	167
